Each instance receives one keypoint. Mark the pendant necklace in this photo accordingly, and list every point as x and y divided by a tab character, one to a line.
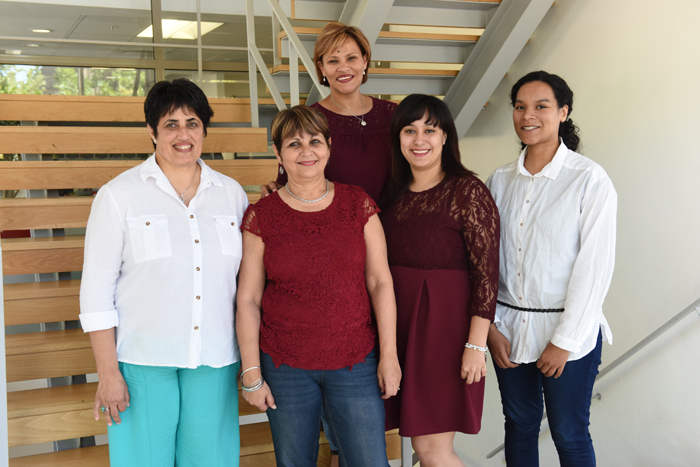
182	195
309	200
361	120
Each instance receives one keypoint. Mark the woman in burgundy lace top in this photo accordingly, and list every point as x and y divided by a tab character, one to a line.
442	231
314	258
359	124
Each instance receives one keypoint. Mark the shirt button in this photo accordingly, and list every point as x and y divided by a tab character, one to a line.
519	298
523	321
199	269
527	201
520	249
198	297
191	216
148	223
521	224
196	328
196	241
233	223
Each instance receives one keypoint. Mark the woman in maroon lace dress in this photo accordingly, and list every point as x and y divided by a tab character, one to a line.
359	124
442	231
314	258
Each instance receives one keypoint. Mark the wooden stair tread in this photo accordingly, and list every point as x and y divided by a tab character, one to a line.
109	140
95	456
50	400
102	108
397	35
46	342
383	71
43	243
48	289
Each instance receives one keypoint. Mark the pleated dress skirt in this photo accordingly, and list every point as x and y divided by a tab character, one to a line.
432	327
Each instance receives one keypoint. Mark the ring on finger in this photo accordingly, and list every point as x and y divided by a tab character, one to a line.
104	409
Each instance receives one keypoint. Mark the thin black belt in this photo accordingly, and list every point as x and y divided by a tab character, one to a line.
536	310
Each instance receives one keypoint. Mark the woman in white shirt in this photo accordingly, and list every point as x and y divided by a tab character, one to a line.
557	211
162	251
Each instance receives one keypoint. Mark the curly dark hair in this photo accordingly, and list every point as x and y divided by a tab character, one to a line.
568	131
166	97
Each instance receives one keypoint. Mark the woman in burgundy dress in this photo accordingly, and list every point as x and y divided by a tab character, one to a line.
442	231
314	258
359	124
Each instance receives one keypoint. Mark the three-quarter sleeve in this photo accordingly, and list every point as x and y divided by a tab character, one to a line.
481	233
593	268
104	246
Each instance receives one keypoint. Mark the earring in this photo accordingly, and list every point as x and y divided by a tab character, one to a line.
281	170
364	72
154	141
324	80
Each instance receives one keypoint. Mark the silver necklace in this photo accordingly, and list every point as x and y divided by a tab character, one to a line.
362	120
182	195
309	200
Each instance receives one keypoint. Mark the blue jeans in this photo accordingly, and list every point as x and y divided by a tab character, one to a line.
568	402
351	401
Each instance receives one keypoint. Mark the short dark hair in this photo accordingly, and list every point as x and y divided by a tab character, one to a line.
166	97
299	119
568	131
413	108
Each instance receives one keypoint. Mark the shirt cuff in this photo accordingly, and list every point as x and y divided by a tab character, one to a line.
566	343
99	320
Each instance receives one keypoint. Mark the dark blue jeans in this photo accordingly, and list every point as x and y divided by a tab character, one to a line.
568	402
351	401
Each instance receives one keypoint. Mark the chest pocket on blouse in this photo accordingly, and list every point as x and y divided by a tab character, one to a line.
150	237
229	235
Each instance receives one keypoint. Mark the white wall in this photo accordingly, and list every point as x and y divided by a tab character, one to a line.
634	66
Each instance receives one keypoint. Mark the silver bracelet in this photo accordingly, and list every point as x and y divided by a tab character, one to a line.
253	387
476	347
246	371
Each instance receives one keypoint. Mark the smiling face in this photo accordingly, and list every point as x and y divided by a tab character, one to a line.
421	145
343	67
180	139
303	156
536	115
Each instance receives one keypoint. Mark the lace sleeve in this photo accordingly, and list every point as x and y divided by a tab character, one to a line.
481	232
369	207
251	222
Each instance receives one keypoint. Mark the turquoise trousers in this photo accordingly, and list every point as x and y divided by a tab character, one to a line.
177	416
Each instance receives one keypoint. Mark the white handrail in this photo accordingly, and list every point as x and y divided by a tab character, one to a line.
296	52
695	306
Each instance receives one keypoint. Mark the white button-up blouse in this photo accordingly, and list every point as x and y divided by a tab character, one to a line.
557	251
162	273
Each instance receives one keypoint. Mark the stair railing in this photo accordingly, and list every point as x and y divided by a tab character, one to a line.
695	306
256	62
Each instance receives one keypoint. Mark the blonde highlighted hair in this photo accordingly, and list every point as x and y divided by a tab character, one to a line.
333	36
298	120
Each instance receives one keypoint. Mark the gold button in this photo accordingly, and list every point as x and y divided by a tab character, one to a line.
520	298
148	223
198	297
191	216
233	223
196	328
527	201
518	273
520	249
521	224
196	241
198	269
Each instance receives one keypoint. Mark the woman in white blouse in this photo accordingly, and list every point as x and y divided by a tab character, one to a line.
162	251
557	213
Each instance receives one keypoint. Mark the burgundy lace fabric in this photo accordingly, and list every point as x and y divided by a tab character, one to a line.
316	312
360	155
454	225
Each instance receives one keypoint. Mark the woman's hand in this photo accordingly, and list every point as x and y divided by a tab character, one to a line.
268	189
113	394
473	365
499	347
389	375
262	398
553	360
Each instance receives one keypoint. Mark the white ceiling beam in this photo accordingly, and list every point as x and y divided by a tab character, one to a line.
504	38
